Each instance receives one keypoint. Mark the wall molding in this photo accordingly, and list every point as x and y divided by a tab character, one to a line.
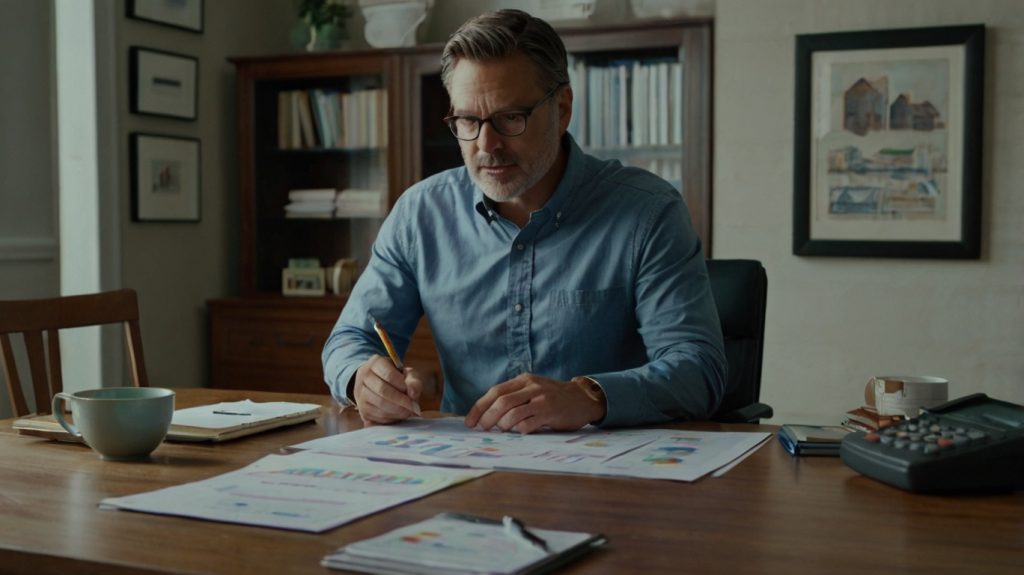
28	249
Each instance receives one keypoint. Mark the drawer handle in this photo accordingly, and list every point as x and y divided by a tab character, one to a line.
284	341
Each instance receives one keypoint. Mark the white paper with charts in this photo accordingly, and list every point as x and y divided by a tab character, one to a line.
650	453
302	491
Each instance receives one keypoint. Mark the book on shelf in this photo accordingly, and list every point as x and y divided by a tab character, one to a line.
312	195
812	439
455	543
206	423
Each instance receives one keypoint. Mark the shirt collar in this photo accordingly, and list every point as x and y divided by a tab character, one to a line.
487	207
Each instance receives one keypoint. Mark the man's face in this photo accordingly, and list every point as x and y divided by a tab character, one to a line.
506	167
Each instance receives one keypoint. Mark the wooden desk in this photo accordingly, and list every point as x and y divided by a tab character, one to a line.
771	514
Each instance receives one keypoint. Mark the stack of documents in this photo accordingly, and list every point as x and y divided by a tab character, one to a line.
461	544
314	203
353	203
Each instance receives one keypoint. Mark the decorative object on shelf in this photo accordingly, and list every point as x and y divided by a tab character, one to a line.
184	14
163	83
888	143
342	276
165	178
321	24
393	23
672	8
303	281
563	10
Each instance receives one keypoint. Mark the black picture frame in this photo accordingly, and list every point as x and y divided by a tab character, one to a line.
166	178
880	169
164	84
180	14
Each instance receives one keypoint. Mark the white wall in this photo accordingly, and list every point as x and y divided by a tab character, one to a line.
177	267
834	322
28	193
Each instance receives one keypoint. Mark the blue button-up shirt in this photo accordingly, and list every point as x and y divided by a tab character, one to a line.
606	280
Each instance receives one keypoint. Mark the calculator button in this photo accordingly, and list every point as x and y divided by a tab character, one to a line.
944	442
931	448
975	434
934	428
930	438
886	439
960	439
916	445
872	437
900	443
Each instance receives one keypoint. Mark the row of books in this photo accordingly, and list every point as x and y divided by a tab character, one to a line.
627	103
328	203
328	119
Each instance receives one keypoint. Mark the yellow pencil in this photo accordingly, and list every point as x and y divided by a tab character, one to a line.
393	355
387	344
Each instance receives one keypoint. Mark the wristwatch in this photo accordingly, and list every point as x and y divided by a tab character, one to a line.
590	387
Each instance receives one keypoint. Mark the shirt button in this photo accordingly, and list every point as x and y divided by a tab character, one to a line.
520	247
519	307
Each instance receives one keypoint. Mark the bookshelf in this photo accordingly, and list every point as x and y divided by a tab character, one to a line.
263	340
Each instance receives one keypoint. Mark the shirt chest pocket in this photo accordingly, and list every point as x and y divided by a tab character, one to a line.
576	310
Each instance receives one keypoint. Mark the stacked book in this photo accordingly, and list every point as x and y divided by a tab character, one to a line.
355	203
311	204
867	418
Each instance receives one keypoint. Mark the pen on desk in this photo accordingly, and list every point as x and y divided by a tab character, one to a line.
515	528
230	413
392	354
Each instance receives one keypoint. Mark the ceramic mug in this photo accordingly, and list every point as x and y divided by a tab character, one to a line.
118	423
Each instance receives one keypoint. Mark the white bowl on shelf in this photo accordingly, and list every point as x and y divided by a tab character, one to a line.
393	23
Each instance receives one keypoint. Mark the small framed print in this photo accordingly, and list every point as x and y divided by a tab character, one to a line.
303	281
165	178
163	83
888	143
184	14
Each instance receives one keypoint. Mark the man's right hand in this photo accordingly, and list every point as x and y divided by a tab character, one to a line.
384	394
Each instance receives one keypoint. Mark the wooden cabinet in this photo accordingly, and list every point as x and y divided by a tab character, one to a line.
263	340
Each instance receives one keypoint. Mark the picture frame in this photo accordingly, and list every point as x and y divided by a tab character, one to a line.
182	14
887	143
303	282
163	83
165	178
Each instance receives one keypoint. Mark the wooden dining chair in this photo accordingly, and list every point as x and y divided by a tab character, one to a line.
42	319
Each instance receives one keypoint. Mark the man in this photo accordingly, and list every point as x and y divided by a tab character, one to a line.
561	290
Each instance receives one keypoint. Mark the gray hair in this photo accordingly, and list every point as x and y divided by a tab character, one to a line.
502	33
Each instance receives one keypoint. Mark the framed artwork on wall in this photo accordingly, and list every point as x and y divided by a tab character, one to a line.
165	178
163	83
887	143
184	14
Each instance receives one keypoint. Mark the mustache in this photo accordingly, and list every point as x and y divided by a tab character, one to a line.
486	160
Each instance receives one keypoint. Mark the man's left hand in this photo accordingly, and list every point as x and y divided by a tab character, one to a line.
528	402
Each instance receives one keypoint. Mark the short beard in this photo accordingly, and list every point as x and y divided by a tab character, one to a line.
532	173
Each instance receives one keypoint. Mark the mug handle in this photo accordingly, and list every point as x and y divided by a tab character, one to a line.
58	413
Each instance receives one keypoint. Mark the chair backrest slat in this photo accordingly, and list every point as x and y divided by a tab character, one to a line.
11	374
33	317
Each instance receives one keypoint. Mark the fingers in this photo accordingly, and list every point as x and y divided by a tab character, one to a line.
529	402
381	392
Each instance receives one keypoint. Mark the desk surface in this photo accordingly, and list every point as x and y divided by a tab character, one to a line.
770	514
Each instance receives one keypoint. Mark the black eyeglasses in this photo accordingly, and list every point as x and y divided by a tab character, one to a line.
509	123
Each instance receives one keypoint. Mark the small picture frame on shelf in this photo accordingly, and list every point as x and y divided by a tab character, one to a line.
165	178
163	83
183	14
303	282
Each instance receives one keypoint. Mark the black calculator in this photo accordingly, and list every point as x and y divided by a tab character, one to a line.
973	443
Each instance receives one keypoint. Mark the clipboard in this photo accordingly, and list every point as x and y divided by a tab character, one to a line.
460	544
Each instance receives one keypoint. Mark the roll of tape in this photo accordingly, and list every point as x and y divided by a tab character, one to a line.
905	395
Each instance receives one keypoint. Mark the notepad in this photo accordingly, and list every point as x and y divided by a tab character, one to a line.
812	439
212	423
451	543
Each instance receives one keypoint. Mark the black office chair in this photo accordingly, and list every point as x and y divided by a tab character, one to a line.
740	288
